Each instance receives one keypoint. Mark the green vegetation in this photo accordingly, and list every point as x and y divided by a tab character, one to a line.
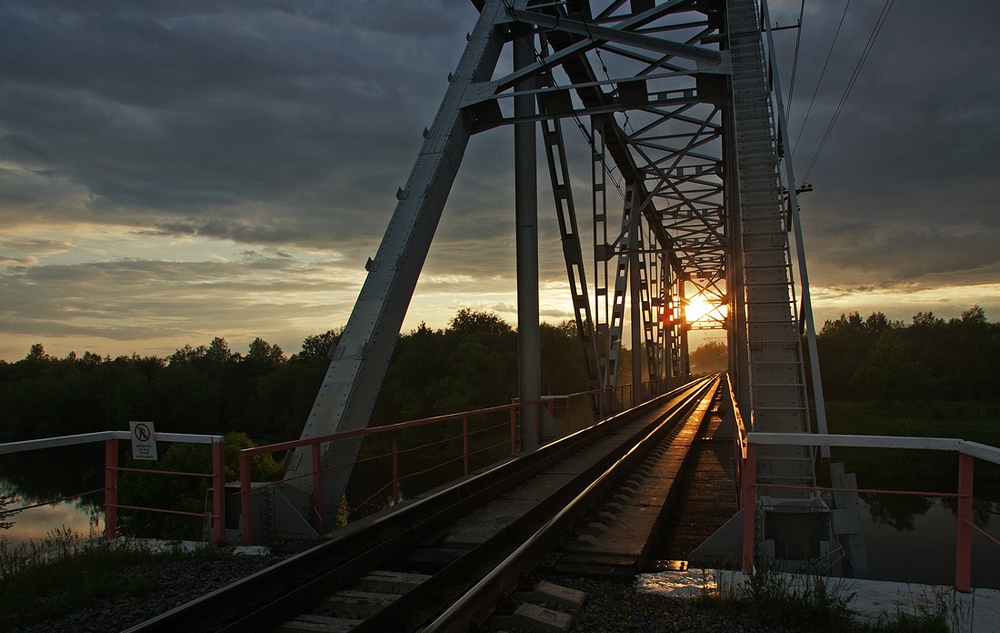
815	603
185	494
931	378
710	357
67	571
266	394
257	398
874	358
898	469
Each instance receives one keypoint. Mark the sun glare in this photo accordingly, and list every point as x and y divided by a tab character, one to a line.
699	309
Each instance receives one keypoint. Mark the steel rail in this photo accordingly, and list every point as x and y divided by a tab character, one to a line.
267	599
513	556
305	578
479	601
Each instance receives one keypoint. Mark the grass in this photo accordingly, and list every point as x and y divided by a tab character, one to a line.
67	571
815	603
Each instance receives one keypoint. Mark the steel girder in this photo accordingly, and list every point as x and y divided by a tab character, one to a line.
653	76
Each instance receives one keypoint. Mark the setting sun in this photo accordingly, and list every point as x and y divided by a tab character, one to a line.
700	311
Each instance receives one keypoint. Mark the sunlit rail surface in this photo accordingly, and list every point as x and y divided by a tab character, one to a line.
455	551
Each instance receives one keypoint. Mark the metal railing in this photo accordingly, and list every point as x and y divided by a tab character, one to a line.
968	452
111	470
466	441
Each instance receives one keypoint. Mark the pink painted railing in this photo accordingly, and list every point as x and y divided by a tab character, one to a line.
968	452
486	436
111	470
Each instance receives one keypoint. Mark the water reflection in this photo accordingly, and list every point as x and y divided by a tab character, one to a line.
912	539
56	472
898	511
35	524
42	476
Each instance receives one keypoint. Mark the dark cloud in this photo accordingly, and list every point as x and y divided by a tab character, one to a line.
287	125
188	302
171	108
905	187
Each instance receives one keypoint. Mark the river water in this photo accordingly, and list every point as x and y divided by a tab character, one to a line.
919	546
36	523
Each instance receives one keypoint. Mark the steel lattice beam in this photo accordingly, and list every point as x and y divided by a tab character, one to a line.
656	80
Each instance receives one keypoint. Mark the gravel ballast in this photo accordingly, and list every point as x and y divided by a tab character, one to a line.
611	607
174	582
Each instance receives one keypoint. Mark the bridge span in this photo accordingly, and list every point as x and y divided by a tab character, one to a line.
678	121
590	503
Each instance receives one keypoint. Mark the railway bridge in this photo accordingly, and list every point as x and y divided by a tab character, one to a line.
689	198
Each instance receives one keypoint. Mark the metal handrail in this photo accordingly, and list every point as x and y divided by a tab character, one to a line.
968	452
111	470
315	443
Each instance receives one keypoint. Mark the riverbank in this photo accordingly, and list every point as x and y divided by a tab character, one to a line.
869	601
669	602
105	593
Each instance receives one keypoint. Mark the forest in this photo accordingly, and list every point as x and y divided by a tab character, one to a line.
878	359
267	394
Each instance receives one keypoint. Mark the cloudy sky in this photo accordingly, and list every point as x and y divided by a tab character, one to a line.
176	170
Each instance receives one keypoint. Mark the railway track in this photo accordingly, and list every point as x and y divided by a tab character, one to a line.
442	562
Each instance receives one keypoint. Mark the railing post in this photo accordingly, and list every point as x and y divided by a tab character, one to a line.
317	477
246	505
963	554
110	489
465	443
219	492
749	495
395	470
739	464
538	423
513	431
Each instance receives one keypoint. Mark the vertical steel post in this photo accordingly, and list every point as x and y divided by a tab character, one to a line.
684	329
465	443
317	496
219	492
635	307
110	489
395	469
963	553
526	211
538	427
246	507
513	431
749	495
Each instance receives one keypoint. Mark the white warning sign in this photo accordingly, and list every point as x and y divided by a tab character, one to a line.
143	440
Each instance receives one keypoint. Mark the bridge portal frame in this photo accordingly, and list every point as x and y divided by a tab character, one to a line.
678	157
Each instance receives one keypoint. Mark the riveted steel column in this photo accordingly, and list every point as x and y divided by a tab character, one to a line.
358	363
526	210
636	311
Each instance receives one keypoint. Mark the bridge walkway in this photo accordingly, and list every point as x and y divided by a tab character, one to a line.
704	497
624	535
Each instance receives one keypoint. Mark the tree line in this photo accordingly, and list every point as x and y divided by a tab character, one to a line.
472	363
268	394
876	358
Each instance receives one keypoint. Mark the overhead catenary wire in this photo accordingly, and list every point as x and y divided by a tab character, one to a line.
879	23
819	81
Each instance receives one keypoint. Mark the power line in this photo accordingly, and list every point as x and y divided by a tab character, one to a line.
879	23
820	81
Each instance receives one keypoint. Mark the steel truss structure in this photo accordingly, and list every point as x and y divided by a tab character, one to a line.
674	100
